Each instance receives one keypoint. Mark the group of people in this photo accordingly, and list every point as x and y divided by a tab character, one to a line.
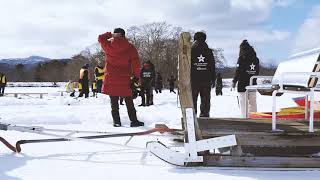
83	83
203	74
122	65
3	83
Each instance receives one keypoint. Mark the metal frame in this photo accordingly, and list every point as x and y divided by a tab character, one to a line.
282	90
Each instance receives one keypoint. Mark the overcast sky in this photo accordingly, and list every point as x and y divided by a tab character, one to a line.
62	28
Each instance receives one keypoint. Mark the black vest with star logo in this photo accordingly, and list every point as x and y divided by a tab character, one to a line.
246	68
202	63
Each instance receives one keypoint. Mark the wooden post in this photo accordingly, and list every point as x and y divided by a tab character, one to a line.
184	83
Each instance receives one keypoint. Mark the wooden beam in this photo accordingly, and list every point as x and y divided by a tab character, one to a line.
184	83
262	162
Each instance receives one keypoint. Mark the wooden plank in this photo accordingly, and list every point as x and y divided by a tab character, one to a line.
278	140
185	93
252	125
262	162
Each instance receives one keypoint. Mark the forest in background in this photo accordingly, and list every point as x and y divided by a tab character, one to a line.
157	42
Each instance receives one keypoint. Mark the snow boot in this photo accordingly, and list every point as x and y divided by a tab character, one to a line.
116	118
136	124
133	118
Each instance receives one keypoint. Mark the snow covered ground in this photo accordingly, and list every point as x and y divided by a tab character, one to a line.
84	160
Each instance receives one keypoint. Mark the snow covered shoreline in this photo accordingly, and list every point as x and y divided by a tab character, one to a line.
83	160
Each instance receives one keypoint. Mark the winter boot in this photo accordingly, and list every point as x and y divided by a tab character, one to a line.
136	124
116	118
133	118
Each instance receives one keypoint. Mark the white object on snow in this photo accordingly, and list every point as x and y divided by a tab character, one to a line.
192	148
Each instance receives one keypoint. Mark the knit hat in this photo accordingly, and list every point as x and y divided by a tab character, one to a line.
200	36
120	31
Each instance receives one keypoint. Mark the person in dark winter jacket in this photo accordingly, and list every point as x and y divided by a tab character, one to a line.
171	81
219	85
247	66
147	75
3	83
202	73
158	83
84	81
122	61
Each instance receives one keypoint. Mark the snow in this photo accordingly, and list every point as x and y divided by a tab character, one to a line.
81	160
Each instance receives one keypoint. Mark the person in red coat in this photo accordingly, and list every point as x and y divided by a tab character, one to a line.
122	61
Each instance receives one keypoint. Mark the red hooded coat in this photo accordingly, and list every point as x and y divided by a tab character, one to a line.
122	61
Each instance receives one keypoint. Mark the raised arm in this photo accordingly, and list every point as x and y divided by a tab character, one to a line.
103	40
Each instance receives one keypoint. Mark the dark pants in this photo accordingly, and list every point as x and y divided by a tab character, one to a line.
94	93
99	86
204	89
218	91
115	109
158	88
2	87
172	89
85	88
146	95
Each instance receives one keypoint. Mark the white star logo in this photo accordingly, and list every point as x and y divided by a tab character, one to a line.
252	66
201	58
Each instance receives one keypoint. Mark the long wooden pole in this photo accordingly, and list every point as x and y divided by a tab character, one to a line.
184	83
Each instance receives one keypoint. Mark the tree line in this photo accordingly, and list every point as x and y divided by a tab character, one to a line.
157	42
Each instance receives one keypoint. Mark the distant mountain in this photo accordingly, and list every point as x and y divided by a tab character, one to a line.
32	60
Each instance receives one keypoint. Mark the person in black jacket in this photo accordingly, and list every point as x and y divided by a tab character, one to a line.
202	73
158	85
171	81
84	80
247	66
219	85
147	75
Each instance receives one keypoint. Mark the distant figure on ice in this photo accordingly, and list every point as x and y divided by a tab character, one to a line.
202	73
99	75
122	60
147	76
70	88
158	83
84	81
3	83
171	81
219	85
247	66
